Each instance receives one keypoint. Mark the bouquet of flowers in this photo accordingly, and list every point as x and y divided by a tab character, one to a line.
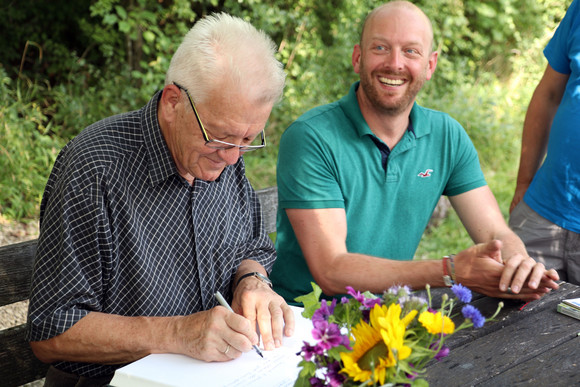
370	340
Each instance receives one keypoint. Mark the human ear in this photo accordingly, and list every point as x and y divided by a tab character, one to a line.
431	64
356	54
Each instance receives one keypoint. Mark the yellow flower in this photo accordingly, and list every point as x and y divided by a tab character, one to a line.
378	345
436	323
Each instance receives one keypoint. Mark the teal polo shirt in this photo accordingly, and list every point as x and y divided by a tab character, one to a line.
328	159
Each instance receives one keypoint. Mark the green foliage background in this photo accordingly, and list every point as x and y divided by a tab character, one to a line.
64	65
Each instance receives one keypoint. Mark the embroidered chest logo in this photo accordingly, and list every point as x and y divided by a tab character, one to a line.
427	173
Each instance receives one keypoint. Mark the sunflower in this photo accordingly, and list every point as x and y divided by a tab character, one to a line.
378	345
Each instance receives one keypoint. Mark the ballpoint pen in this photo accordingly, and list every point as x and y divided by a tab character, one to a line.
225	304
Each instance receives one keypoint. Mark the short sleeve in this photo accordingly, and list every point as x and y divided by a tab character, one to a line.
306	172
466	173
556	52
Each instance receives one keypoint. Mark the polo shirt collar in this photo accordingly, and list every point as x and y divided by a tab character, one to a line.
351	108
160	163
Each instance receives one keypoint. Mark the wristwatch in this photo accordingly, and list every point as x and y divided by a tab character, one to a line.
257	275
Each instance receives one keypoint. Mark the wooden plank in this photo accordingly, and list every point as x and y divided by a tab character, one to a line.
269	202
479	360
16	262
563	363
18	365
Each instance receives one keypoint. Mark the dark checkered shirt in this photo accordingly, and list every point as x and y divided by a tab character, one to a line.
123	233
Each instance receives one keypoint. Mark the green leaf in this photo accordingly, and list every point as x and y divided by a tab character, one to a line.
420	383
121	12
124	26
110	19
310	301
148	36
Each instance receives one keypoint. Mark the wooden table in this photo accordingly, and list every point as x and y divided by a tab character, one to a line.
532	346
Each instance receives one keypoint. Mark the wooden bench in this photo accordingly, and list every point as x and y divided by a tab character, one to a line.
18	365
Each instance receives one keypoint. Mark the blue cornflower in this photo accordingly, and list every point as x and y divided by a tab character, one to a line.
472	313
462	293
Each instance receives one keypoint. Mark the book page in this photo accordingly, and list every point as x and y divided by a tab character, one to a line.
573	302
278	368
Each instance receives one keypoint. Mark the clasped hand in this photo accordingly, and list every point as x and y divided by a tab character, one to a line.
482	269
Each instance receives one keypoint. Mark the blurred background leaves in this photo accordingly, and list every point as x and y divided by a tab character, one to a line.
65	64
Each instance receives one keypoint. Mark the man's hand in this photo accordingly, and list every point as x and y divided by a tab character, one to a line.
482	269
214	335
523	270
257	302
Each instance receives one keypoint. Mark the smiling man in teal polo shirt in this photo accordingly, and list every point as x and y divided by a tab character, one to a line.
359	178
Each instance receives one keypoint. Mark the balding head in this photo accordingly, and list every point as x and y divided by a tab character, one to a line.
383	11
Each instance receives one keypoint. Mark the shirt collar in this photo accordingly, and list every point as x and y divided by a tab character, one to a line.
160	163
351	108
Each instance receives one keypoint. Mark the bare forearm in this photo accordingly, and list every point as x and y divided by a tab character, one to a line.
364	272
539	117
534	142
109	339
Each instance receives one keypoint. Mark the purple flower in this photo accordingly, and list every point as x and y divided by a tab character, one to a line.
462	293
325	310
443	352
335	378
355	294
472	313
344	300
328	334
398	290
310	351
368	303
366	315
315	382
371	302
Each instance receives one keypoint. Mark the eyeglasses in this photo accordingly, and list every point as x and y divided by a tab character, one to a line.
218	144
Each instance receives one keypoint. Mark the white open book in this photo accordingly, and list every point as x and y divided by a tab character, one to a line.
278	367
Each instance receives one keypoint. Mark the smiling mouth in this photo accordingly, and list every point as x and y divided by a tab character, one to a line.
391	82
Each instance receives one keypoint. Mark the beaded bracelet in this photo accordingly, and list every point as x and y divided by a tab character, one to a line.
449	280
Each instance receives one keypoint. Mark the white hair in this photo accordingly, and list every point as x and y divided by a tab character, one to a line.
225	51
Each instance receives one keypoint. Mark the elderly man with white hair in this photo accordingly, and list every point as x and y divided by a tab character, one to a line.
146	215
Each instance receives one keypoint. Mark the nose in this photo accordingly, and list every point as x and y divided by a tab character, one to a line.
394	59
230	156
